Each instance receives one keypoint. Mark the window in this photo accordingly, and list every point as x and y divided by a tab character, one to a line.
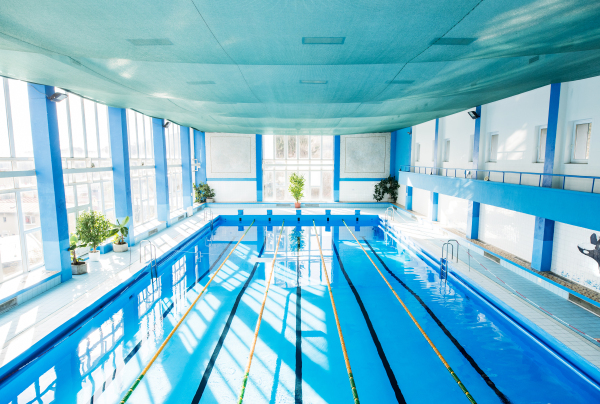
433	150
175	188
20	233
143	174
582	132
310	156
472	148
447	151
541	151
493	147
417	152
174	173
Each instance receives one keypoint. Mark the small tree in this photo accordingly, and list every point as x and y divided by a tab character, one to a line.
297	186
73	245
92	228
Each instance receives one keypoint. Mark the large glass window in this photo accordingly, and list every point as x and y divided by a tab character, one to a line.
175	188
143	190
310	156
20	229
173	143
85	152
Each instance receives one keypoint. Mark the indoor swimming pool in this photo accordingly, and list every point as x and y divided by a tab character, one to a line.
298	356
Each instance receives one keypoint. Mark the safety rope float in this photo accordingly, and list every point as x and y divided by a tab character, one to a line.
162	346
337	323
456	379
260	314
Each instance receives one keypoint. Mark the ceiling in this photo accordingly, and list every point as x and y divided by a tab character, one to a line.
242	66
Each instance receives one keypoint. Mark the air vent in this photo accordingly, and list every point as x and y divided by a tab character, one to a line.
150	42
453	41
311	205
401	82
8	304
286	205
153	231
181	217
199	83
492	257
323	40
313	81
534	59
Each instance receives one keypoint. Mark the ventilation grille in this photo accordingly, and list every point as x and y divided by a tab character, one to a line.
454	41
311	205
492	257
153	231
181	217
8	304
286	205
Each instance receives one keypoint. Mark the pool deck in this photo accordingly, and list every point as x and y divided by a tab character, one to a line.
28	323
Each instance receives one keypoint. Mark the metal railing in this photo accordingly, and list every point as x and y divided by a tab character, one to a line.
486	175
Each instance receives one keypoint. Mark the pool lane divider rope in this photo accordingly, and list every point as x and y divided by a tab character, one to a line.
162	346
337	323
454	375
260	314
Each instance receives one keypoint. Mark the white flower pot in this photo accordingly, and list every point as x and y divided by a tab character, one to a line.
94	256
120	247
209	200
79	269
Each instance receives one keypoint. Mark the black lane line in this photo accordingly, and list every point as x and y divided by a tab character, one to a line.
384	361
166	313
217	350
457	344
298	386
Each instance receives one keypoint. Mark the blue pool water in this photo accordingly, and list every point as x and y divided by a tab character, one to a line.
298	357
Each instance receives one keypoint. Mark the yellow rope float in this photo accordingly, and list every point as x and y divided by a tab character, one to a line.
262	308
162	346
460	384
337	323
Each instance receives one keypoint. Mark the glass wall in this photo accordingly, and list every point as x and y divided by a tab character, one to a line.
20	231
173	141
85	151
141	161
310	156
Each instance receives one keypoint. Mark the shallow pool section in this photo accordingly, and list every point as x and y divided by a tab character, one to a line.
298	357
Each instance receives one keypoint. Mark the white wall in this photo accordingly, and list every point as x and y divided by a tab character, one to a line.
452	212
363	156
424	135
421	201
506	229
231	156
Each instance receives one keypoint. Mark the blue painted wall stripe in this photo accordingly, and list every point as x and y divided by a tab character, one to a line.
259	173
119	147
336	168
200	155
186	166
162	182
433	205
50	183
474	207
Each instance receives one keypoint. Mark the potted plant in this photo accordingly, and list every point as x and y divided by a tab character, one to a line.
77	267
388	186
120	231
203	193
92	229
296	188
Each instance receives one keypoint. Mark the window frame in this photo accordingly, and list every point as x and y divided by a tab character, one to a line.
446	151
541	154
491	137
574	138
417	152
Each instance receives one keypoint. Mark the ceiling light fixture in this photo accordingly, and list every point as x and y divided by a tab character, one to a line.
323	40
166	125
57	97
401	82
313	81
473	114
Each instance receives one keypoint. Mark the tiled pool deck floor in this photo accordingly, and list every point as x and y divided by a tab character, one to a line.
28	323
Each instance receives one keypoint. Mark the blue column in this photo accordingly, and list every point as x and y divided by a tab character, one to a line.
433	206
403	158
543	237
50	184
474	207
186	165
409	192
200	155
336	168
259	173
393	146
162	181
119	146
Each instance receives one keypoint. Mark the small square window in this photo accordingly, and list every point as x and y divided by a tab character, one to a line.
417	152
447	151
541	154
493	147
582	133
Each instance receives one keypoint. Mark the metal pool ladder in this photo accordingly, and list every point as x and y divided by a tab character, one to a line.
153	254
444	261
208	215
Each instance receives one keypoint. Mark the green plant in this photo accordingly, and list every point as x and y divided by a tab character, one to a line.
297	186
202	192
73	245
120	231
92	228
297	242
389	186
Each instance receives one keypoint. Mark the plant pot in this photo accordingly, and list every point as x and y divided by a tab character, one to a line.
297	205
80	268
120	247
94	256
209	200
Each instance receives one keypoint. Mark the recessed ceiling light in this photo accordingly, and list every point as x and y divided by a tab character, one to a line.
453	41
313	81
534	59
150	42
401	82
193	83
323	40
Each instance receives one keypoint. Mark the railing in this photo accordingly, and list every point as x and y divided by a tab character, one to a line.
470	173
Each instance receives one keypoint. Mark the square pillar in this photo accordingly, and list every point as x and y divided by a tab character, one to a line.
162	180
50	182
259	173
433	207
336	168
186	166
474	207
119	146
200	155
409	192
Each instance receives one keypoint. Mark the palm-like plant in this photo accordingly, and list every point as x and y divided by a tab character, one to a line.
297	186
73	245
120	231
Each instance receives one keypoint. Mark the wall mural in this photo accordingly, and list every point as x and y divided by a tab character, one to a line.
591	249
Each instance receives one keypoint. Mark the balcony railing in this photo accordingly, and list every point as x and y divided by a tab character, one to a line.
577	182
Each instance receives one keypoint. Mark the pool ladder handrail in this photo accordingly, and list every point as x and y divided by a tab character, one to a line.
444	267
153	255
457	247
